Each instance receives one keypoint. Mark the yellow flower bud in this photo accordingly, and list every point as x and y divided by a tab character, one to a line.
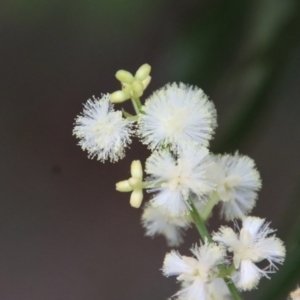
123	186
136	169
124	76
146	82
143	72
135	183
132	86
137	88
136	198
118	97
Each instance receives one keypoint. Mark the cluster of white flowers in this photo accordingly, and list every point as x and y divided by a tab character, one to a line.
186	182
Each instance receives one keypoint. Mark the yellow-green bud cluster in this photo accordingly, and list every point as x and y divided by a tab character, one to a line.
132	86
134	184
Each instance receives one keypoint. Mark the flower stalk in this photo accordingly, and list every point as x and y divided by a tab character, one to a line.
214	199
200	225
136	105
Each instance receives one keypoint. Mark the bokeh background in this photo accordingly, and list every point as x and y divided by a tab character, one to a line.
65	233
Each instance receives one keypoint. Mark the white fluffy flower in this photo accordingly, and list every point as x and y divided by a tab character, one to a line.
102	131
175	115
252	245
195	273
237	183
156	221
175	180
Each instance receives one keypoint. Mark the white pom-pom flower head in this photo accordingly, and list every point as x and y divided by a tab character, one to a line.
195	273
103	133
237	184
175	115
175	180
253	244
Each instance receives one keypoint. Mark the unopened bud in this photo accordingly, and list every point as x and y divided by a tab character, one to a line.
124	76
136	169
143	72
135	183
146	82
137	89
136	198
118	97
123	186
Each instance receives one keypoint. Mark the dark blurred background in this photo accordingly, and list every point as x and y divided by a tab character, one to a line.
65	233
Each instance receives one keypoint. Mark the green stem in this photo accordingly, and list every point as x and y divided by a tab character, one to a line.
200	225
132	118
209	206
225	272
232	288
138	103
135	106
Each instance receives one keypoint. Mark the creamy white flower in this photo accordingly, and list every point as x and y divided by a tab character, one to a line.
175	180
175	115
102	131
237	183
252	245
195	273
156	221
295	295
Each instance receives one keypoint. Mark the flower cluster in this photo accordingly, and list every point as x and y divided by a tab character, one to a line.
186	182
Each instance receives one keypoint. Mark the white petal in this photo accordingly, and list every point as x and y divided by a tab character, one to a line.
171	202
227	237
196	291
272	249
155	221
174	264
248	275
253	225
209	255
